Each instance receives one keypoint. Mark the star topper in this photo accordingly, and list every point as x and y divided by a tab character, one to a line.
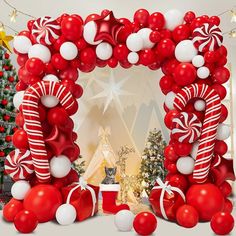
5	39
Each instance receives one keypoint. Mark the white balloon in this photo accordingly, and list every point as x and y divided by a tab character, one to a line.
50	78
169	100
60	166
49	101
145	34
223	131
66	214
185	51
200	105
173	18
194	150
18	99
40	51
203	72
104	51
22	44
133	57
134	42
68	51
198	61
185	165
90	30
19	189
124	220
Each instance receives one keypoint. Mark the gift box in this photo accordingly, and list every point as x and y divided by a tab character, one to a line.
166	199
83	197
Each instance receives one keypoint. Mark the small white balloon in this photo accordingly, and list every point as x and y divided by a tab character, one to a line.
66	214
169	100
185	51
49	101
68	51
194	150
50	78
134	42
40	51
18	99
104	51
60	166
22	44
198	61
19	189
185	165
90	30
145	35
133	57
203	72
173	18
200	105
223	131
124	220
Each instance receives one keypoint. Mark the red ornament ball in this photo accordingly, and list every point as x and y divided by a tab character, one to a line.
222	223
11	209
20	139
145	223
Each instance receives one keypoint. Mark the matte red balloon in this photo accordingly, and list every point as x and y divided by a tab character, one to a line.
156	21
11	209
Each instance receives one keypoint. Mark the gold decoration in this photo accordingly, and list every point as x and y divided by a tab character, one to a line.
5	39
232	34
13	15
233	16
1	27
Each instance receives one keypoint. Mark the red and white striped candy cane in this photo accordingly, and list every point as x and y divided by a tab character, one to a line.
33	123
209	128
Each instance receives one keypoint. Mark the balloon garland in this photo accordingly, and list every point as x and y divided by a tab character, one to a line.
51	52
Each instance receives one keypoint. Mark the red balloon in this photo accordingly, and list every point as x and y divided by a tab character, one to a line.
35	66
222	50
181	32
141	17
210	57
25	222
155	37
30	24
221	75
49	69
77	91
20	86
221	62
206	198
69	84
182	149
198	22
220	89
57	116
59	62
81	44
91	17
177	180
189	17
222	223
70	73
145	223
169	66
220	147
120	52
43	200
20	139
169	117
172	168
72	153
73	109
170	153
165	34
88	56
19	120
224	113
58	42
146	57
166	83
185	74
215	20
33	79
226	189
156	21
112	62
21	59
187	216
166	48
228	206
11	209
23	75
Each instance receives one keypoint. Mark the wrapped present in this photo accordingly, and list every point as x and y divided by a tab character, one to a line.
166	199
83	197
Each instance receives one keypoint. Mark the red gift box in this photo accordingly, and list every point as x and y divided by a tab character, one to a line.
83	197
166	199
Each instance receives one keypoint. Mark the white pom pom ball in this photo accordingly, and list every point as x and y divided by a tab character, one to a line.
203	72
124	220
68	51
133	57
134	42
198	61
145	34
66	214
49	101
185	51
185	165
223	131
200	105
40	51
22	44
19	189
90	30
169	100
194	150
60	166
173	18
50	78
104	51
18	99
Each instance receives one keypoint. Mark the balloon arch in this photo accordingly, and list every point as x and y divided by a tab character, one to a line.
189	51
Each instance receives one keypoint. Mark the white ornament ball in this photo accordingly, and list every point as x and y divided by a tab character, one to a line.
185	51
18	99
68	51
60	166
200	105
173	18
185	165
66	214
198	61
133	57
50	78
90	30
19	189
40	51
194	150
49	101
134	42
169	100
124	220
223	131
104	51
22	44
145	35
203	72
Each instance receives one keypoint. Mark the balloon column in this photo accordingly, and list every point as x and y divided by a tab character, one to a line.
51	52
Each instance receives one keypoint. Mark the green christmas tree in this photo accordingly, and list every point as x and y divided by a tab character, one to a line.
152	165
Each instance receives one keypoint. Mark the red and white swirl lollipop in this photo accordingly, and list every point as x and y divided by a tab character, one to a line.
207	37
19	164
46	30
186	127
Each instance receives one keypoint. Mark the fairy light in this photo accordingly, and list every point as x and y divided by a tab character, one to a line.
13	15
233	16
232	34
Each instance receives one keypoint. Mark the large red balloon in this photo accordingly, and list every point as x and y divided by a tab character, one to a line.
11	209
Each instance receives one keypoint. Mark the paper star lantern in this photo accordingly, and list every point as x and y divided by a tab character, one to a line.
5	39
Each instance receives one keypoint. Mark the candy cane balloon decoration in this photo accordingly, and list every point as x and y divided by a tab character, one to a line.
33	124
209	128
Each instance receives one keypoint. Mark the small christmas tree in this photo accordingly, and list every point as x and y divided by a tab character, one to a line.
152	165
